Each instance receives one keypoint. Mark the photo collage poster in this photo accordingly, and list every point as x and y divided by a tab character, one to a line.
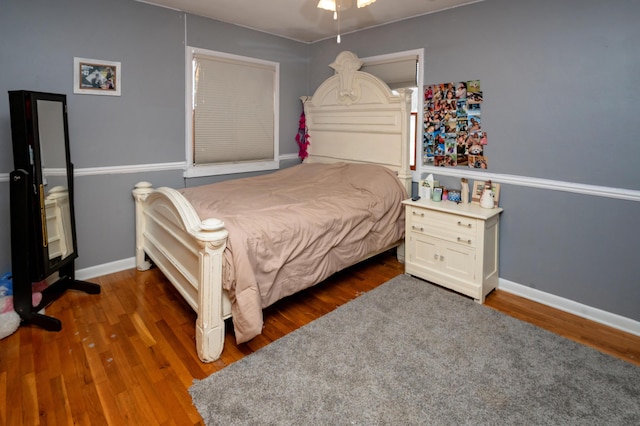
453	134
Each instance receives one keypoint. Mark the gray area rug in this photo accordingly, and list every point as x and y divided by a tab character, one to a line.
410	353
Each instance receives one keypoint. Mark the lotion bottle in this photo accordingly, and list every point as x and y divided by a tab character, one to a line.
464	193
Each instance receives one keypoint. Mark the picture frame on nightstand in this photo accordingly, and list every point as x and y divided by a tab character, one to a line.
478	187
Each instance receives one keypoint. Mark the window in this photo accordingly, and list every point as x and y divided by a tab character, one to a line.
401	70
397	72
232	114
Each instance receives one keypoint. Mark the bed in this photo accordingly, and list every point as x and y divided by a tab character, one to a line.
231	257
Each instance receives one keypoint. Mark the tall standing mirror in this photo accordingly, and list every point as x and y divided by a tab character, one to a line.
43	234
61	240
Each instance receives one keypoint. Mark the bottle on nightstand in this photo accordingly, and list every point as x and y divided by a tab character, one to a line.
464	191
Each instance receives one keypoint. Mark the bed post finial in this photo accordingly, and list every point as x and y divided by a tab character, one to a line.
345	65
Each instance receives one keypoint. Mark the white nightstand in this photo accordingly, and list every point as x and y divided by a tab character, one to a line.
453	245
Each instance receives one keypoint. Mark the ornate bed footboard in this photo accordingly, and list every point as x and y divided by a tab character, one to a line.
189	252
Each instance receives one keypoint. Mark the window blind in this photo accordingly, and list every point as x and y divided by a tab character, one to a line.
397	72
233	110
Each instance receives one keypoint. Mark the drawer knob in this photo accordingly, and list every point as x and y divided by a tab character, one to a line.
468	225
415	213
417	228
464	241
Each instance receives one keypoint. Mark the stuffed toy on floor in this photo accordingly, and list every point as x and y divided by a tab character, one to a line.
9	318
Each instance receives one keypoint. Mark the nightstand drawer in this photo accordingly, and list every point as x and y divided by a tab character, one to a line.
452	227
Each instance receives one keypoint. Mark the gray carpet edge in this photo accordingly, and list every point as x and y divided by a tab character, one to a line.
409	352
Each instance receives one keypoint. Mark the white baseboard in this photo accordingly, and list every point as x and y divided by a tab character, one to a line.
594	314
105	268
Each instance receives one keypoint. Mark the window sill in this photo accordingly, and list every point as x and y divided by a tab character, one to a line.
227	169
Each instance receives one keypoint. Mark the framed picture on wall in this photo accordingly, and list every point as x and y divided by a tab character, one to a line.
96	77
478	187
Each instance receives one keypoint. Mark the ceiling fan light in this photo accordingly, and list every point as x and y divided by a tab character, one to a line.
329	5
363	3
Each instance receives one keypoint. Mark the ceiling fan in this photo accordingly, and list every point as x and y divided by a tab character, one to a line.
336	6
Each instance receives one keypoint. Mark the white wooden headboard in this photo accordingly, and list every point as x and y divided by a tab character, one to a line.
353	116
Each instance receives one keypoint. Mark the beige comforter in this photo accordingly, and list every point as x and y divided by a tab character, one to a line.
291	229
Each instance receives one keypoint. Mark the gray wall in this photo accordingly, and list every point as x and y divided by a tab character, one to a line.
558	78
145	126
559	104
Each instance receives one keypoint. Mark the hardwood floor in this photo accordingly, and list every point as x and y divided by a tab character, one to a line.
127	356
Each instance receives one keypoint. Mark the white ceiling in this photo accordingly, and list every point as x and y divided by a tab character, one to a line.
301	20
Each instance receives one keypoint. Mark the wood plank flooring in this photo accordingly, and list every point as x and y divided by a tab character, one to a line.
127	356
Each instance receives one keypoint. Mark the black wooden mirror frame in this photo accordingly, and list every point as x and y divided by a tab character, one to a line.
30	246
27	154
